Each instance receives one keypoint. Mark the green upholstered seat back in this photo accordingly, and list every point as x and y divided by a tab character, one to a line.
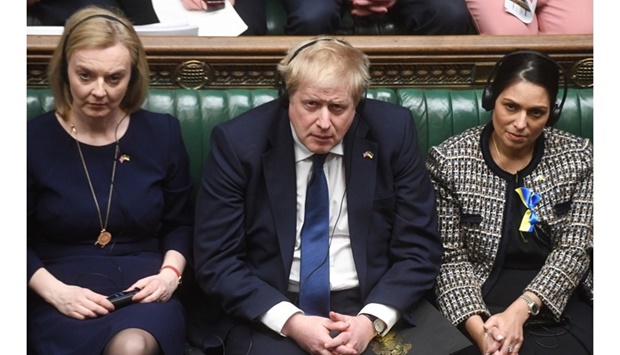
438	113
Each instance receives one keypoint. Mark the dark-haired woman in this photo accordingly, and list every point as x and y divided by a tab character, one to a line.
514	199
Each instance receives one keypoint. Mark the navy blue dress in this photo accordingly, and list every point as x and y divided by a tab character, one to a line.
150	213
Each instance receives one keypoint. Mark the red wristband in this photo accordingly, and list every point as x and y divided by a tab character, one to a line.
176	271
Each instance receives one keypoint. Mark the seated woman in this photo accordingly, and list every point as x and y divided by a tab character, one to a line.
514	199
109	201
528	17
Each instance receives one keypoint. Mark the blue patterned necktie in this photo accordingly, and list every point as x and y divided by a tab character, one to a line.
314	273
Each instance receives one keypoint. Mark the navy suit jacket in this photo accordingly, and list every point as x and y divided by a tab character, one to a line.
246	211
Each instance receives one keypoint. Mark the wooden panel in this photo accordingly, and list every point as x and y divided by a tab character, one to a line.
396	61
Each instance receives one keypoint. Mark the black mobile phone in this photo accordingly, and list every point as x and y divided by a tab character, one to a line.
122	298
214	5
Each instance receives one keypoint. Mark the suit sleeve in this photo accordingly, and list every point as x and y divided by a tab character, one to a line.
220	236
415	250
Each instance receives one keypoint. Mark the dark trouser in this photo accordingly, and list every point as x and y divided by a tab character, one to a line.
318	17
574	336
304	17
432	334
255	338
433	17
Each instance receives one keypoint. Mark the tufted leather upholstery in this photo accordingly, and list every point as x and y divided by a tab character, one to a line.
438	113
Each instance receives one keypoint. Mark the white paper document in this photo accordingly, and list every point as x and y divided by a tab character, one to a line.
167	29
524	10
225	22
174	20
44	30
156	29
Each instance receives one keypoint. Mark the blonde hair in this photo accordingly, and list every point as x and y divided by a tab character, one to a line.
325	62
95	27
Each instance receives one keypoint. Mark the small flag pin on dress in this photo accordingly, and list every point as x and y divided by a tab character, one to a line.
124	158
368	154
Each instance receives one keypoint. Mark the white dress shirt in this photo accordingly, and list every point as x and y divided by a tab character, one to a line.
342	273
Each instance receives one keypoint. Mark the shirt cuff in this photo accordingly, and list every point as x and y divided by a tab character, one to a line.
276	317
387	314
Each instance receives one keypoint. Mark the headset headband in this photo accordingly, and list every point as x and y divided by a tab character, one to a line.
65	64
109	17
488	95
283	93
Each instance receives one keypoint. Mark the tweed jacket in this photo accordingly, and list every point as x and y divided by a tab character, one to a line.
472	192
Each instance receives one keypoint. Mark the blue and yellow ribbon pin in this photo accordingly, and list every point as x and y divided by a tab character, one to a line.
529	199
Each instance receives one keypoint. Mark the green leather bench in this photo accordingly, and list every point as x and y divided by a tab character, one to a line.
438	113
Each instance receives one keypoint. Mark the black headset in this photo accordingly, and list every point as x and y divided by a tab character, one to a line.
283	93
488	96
65	63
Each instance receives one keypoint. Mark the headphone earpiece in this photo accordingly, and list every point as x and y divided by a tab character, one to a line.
283	93
488	102
554	115
489	97
360	105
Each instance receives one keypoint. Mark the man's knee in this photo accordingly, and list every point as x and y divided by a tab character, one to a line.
435	17
453	15
313	20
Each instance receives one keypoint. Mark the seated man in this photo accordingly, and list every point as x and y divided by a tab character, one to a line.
316	227
421	17
319	17
303	17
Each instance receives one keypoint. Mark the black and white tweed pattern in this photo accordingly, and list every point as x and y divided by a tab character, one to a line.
471	198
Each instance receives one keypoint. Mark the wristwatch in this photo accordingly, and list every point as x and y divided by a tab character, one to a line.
377	323
531	304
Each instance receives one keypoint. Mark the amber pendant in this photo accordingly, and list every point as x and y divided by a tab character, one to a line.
104	238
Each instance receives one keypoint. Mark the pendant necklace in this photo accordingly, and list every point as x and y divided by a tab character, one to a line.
104	236
501	157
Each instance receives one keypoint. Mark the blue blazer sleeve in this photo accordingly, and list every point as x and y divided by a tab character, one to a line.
398	222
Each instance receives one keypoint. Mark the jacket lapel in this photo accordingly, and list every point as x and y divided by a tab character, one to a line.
280	180
360	157
361	169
